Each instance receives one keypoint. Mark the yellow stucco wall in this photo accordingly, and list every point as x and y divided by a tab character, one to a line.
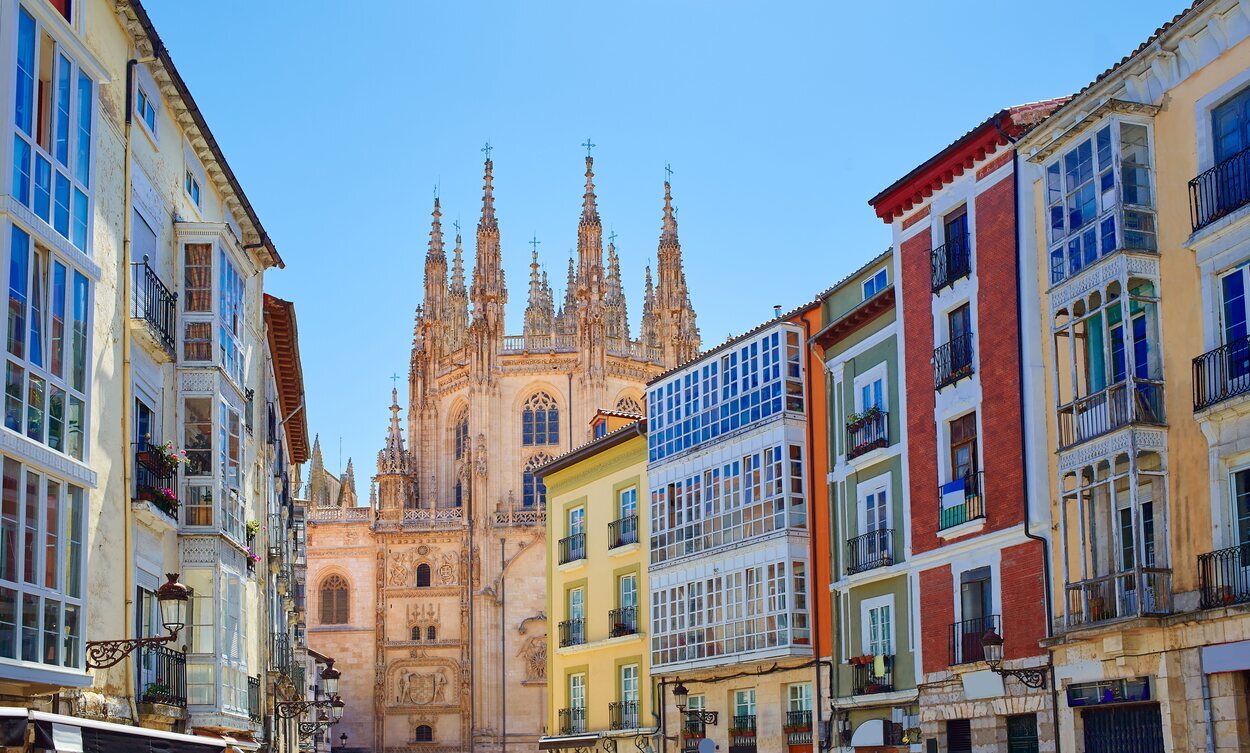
595	482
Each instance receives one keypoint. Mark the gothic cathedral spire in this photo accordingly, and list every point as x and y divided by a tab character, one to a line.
539	311
677	328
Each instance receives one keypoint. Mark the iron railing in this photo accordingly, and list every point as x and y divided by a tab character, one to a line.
869	433
1134	401
155	481
742	734
1119	595
163	674
573	632
1223	578
952	361
971	508
1222	373
253	699
870	551
868	678
623	531
155	304
1220	191
624	621
572	721
798	728
572	548
280	652
950	262
623	715
967	638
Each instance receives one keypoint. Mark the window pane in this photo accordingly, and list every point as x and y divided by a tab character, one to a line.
19	260
82	160
60	144
79	373
13	386
60	212
73	548
25	87
21	170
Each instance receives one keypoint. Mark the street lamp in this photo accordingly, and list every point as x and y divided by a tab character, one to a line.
680	697
330	682
992	649
330	678
172	598
343	740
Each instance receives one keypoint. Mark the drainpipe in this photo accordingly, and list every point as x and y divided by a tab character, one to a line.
503	617
811	539
123	267
1024	466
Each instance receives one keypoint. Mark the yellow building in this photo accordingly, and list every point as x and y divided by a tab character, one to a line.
1141	243
598	666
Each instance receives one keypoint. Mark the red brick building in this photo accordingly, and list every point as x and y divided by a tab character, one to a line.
969	448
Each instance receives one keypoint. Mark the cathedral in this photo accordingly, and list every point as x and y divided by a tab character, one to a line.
432	597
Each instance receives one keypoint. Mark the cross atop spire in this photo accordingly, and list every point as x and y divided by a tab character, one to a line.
487	150
668	172
535	243
612	237
588	145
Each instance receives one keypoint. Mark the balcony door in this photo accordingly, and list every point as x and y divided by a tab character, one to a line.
964	448
874	522
976	602
1230	125
1236	363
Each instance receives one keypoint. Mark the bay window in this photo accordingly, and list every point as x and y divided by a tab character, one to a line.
200	319
1099	198
45	393
217	662
41	567
54	101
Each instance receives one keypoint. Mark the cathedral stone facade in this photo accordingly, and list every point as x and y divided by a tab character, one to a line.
439	584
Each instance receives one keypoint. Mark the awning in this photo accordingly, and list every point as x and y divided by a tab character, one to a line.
567	741
70	734
1226	657
869	734
13	721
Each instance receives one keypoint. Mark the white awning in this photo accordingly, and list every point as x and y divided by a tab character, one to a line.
869	734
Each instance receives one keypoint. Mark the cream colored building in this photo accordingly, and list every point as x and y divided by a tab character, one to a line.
1140	245
138	319
440	582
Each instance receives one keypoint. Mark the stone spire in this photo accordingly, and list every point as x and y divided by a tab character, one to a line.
566	320
649	329
589	235
347	487
539	310
488	292
457	302
436	270
373	493
614	299
393	459
677	327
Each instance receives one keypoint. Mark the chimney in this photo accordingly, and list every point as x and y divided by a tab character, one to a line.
776	311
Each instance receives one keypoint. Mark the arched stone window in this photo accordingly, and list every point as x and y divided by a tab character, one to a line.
423	575
459	493
431	634
533	490
423	734
416	633
460	433
540	421
628	404
334	601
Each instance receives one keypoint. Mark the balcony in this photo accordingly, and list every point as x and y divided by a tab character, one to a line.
162	676
966	638
870	551
952	361
867	678
155	306
253	699
280	653
572	632
624	621
1223	578
1220	191
798	728
623	715
1221	374
1105	411
155	478
950	262
623	532
572	548
742	734
572	721
1119	596
960	501
867	432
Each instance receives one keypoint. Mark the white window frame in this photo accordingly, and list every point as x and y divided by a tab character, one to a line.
879	372
803	699
142	96
741	695
885	283
193	170
873	486
865	608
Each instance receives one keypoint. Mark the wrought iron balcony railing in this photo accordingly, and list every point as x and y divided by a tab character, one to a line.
798	728
163	676
868	433
952	361
742	734
253	699
1119	595
152	302
572	721
623	531
155	480
623	715
572	548
957	506
966	639
950	262
280	652
1220	191
869	678
573	632
1136	401
870	551
1222	373
1223	578
624	621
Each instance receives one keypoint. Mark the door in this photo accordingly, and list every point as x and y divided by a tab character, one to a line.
1022	733
956	238
629	697
977	605
1230	123
627	595
577	534
627	516
959	324
1123	729
577	616
1236	361
876	525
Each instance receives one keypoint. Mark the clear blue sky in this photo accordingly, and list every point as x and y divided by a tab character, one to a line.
780	121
